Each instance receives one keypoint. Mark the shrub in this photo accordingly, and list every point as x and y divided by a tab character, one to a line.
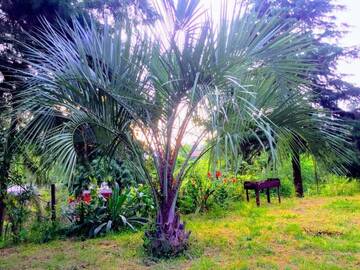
100	170
96	215
200	192
140	196
334	185
44	231
17	213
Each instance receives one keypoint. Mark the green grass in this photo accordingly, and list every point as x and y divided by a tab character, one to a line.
310	233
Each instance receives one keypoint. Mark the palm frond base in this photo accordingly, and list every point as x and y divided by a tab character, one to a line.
167	240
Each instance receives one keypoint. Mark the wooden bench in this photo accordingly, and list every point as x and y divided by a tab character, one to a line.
261	185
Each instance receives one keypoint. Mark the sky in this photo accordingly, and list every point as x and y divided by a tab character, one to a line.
350	16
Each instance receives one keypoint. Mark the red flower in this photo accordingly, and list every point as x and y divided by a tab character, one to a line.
209	174
218	174
234	180
86	198
225	181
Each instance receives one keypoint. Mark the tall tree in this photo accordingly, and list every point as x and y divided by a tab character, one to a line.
18	18
317	19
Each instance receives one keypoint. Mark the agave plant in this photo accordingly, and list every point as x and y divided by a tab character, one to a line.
144	91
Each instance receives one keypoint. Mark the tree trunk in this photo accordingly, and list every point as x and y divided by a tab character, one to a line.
11	90
2	210
5	171
4	174
298	183
167	238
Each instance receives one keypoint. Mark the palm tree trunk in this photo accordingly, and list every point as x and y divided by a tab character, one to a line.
168	237
298	183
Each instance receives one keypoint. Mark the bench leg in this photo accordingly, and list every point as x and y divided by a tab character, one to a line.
268	195
257	197
278	192
247	194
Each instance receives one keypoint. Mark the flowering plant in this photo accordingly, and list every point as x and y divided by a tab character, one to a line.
92	213
199	193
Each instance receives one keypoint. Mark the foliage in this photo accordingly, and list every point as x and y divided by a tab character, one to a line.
333	185
141	197
89	218
118	206
199	192
17	213
18	18
101	169
319	19
354	166
44	231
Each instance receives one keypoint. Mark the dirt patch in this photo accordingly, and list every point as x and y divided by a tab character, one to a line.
330	233
8	251
308	203
107	244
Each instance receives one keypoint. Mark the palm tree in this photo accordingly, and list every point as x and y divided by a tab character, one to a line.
300	127
142	91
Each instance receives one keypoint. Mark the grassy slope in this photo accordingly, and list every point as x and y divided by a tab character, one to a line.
311	233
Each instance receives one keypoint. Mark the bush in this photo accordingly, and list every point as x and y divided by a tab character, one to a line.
124	209
336	186
17	214
141	197
100	170
200	192
44	231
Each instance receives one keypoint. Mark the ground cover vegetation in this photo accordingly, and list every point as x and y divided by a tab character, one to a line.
309	233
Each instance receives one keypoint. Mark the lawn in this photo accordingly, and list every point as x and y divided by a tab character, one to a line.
310	233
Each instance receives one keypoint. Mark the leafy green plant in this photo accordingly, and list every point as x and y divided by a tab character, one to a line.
122	211
141	197
99	170
97	216
44	231
17	214
200	192
334	185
